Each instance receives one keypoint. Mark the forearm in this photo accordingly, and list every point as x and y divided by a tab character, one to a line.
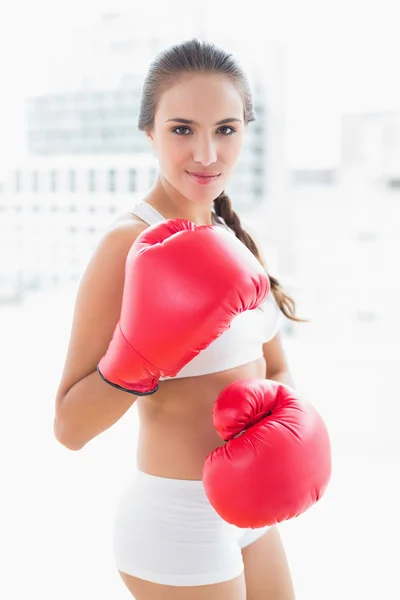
284	377
90	407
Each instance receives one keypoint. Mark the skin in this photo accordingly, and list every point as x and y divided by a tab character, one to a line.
176	430
204	147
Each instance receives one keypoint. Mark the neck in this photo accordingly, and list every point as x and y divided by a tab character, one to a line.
173	205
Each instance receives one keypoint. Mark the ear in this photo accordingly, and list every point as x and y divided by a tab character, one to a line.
150	139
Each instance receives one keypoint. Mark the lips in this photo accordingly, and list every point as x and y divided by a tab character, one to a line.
203	174
204	178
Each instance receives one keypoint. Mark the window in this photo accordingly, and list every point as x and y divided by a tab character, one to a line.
367	236
18	181
132	180
258	171
365	316
257	149
394	183
111	180
35	181
92	180
72	181
53	181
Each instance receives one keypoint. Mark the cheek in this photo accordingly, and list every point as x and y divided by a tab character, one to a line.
171	152
231	150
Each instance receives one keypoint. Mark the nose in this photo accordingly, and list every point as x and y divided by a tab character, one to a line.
205	151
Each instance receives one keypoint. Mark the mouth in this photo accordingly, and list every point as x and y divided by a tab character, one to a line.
203	179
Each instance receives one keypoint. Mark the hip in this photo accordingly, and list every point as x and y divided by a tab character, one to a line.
166	531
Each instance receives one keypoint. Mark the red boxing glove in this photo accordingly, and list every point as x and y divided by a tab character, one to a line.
278	467
184	284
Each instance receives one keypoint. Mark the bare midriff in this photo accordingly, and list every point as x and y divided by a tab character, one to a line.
176	431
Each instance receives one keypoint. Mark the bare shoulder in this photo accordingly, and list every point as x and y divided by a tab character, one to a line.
98	300
113	247
127	222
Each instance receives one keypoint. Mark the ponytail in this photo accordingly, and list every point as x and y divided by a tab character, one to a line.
223	208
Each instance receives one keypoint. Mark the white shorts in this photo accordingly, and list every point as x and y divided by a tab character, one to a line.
166	531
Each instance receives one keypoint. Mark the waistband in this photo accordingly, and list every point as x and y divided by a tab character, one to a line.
156	480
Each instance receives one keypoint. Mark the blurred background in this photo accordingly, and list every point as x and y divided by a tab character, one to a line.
319	181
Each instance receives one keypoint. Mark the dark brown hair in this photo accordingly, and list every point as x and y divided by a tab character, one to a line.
198	56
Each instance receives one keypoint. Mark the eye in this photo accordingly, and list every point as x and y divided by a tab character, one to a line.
227	127
176	130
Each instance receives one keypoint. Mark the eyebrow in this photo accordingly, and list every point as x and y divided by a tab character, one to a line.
190	122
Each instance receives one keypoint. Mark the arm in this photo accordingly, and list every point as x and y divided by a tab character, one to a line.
277	364
85	405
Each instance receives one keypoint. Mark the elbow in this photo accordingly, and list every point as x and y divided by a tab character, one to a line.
63	430
66	439
284	377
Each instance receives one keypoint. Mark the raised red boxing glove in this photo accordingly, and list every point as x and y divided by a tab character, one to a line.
184	284
277	459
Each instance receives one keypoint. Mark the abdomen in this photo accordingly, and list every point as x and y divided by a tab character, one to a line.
176	431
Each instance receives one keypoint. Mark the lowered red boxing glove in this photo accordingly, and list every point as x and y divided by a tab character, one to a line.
184	284
278	467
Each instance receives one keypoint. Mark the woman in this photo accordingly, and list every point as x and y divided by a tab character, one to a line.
169	542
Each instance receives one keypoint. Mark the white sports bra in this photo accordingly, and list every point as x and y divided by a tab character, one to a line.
242	342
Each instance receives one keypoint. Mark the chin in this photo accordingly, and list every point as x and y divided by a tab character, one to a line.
197	194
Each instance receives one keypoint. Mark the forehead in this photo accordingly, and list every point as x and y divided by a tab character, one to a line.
201	97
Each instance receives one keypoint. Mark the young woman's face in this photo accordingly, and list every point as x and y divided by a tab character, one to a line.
198	128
